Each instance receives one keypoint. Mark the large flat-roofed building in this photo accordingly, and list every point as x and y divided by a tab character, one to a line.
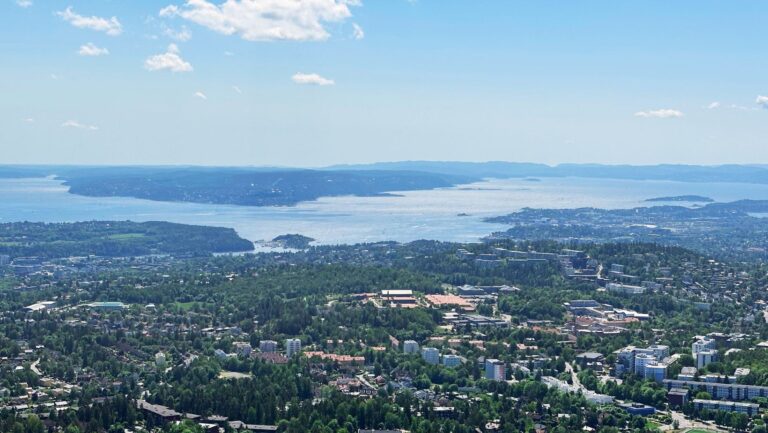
398	298
473	320
107	306
448	301
625	289
727	406
720	391
677	397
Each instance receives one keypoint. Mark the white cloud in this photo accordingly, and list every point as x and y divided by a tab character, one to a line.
29	120
54	77
662	113
762	101
169	11
713	105
266	20
200	95
315	79
229	53
182	35
92	50
24	3
357	31
237	89
77	125
170	60
109	26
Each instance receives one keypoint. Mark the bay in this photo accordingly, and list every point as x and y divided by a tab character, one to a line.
449	214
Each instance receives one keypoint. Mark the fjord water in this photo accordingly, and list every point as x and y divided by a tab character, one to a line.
450	214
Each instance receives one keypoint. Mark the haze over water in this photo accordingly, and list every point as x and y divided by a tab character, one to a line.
332	220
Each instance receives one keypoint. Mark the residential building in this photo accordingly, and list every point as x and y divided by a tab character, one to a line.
720	391
410	346
451	360
495	370
431	355
705	357
268	346
727	406
292	347
702	344
243	349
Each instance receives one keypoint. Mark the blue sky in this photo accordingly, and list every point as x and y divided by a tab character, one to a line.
317	82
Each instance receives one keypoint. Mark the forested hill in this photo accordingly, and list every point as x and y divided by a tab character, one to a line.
249	187
115	239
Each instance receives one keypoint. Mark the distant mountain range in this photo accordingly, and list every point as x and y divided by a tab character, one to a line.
500	169
273	186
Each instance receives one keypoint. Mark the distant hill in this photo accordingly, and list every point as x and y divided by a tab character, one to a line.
249	187
275	186
499	169
116	239
682	198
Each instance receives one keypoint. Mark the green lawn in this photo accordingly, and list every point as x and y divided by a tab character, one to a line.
122	236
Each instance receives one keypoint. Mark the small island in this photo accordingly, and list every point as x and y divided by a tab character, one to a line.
684	198
293	241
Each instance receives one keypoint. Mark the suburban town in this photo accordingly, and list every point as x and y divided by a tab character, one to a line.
152	340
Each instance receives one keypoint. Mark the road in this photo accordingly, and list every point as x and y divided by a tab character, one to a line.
34	368
685	423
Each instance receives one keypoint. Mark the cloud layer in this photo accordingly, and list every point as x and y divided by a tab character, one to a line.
314	79
762	101
110	26
266	20
91	50
662	113
77	125
170	60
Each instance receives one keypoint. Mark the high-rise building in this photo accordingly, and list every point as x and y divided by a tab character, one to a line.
268	346
701	344
431	355
292	347
704	357
655	371
495	370
410	346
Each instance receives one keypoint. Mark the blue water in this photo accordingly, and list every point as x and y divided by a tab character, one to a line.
410	216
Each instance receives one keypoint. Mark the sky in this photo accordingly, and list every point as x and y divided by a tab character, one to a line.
319	82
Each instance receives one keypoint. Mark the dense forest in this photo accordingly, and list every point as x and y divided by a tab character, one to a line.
115	239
